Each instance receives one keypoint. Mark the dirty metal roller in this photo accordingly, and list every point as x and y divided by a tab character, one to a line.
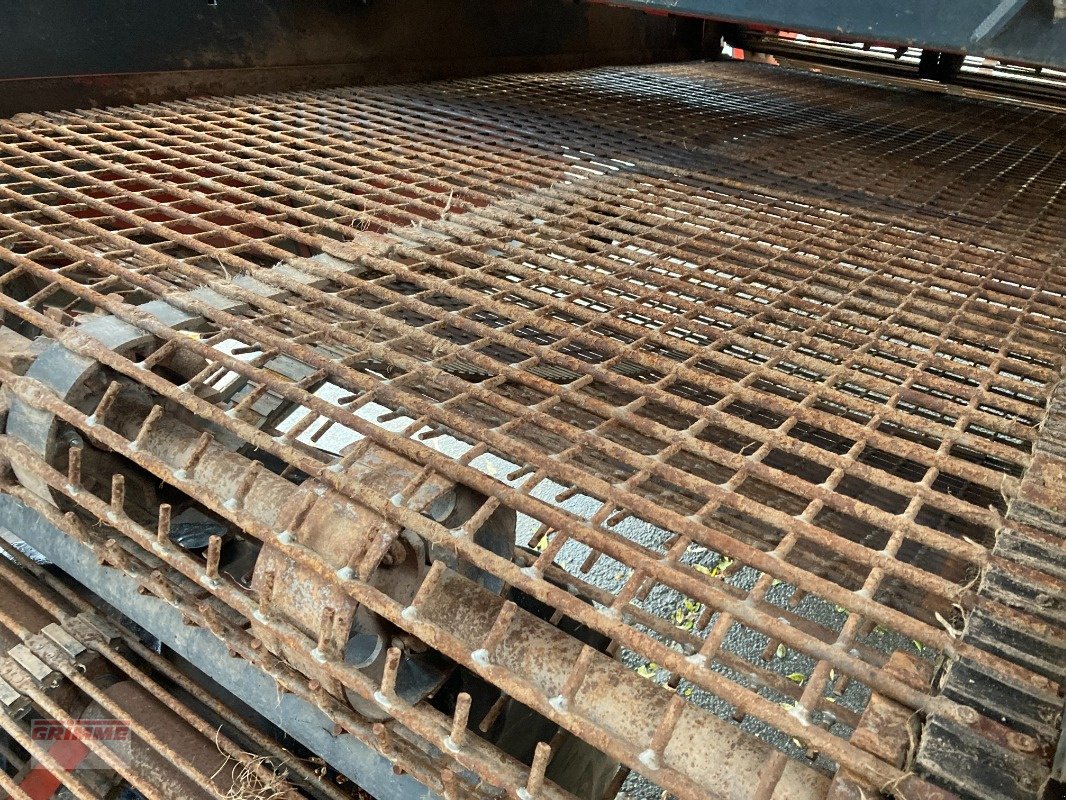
561	436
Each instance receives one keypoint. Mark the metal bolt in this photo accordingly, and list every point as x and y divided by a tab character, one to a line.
1021	742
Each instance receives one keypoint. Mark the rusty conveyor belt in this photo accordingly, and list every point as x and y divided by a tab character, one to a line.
755	362
149	725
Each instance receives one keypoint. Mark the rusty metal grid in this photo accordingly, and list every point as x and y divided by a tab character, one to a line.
85	655
804	331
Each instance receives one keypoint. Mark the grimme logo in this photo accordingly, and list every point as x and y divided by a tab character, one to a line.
104	730
70	744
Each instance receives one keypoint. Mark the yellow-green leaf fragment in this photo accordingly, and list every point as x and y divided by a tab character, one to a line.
648	670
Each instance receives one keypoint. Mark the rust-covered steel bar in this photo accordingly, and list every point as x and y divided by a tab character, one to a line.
77	676
693	429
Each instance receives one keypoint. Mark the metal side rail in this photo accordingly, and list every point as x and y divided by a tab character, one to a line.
87	708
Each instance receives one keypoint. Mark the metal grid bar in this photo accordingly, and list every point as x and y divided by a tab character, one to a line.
618	282
30	589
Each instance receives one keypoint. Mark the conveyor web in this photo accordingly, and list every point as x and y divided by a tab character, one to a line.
755	360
